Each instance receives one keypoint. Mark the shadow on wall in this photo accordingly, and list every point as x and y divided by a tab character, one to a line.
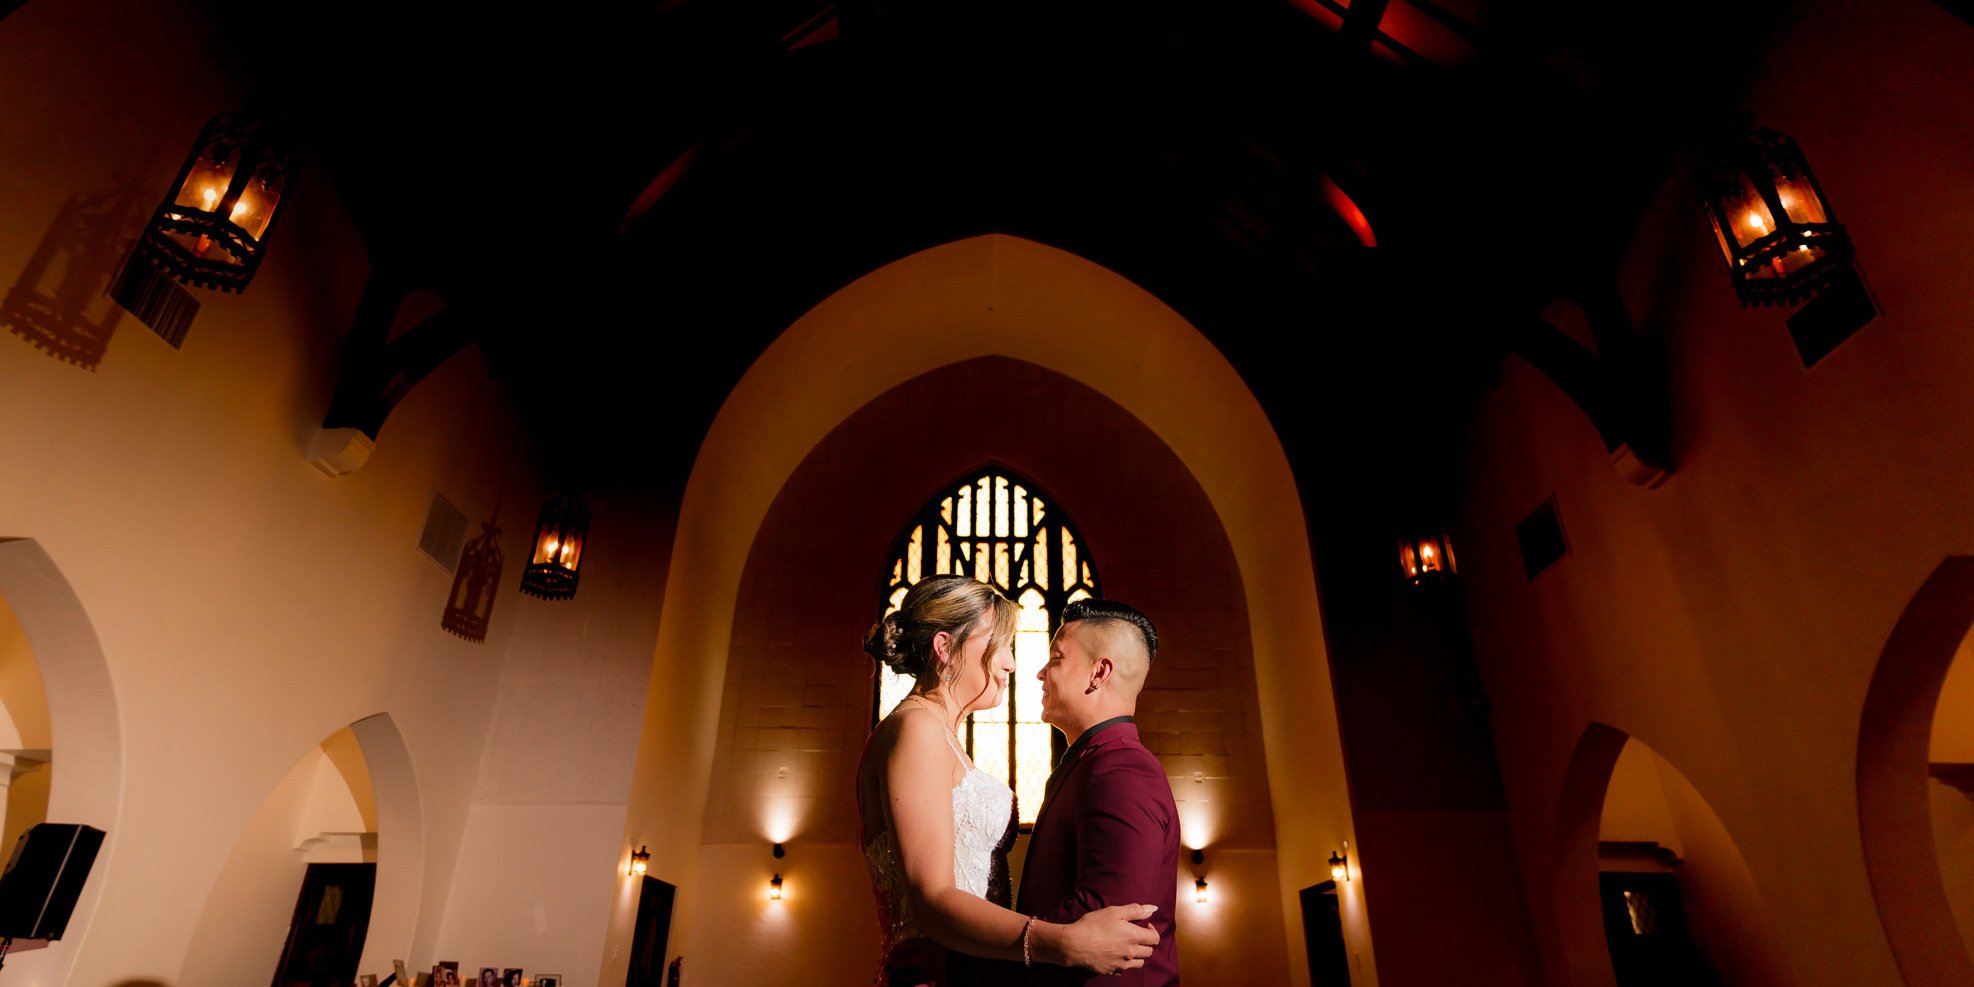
58	303
1905	791
1652	887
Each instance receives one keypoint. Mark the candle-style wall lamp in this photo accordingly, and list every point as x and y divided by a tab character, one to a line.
560	532
212	230
640	861
774	885
1426	558
1777	232
1339	865
1199	879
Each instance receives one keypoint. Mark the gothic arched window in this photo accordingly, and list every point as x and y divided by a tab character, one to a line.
998	529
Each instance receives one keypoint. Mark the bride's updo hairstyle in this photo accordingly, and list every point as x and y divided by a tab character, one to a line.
902	641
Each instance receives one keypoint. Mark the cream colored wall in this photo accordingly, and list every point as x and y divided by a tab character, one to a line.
1216	939
532	889
823	931
1733	617
245	605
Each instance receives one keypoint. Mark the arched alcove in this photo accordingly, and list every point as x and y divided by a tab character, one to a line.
334	807
26	746
1649	878
1896	798
797	699
80	721
994	296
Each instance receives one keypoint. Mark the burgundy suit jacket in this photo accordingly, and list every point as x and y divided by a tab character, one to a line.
1108	836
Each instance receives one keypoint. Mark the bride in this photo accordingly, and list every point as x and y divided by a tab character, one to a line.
936	829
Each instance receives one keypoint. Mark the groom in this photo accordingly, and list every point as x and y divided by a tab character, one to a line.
1108	832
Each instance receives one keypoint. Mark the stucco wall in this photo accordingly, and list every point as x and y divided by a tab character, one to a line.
1733	617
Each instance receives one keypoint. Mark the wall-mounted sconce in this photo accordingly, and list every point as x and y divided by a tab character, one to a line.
1199	890
1339	866
1426	558
774	885
1778	234
559	535
640	861
211	232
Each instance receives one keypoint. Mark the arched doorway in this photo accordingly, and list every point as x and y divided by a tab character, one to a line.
1902	801
80	722
307	880
1653	888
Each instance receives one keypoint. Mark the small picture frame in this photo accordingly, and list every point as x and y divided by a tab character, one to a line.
548	980
445	973
489	977
510	977
403	975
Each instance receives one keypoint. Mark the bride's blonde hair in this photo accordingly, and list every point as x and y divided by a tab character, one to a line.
902	641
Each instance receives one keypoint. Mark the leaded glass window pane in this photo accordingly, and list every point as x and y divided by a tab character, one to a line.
997	528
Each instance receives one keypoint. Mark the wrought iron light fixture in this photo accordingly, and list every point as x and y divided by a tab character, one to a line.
1339	866
640	860
559	536
1777	232
774	885
212	231
1426	558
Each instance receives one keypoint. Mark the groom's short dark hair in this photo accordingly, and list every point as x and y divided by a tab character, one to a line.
1113	612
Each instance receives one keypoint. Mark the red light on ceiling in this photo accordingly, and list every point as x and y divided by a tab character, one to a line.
1348	211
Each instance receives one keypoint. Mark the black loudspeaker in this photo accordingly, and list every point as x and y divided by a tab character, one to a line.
44	877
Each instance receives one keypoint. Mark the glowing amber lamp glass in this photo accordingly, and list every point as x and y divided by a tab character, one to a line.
554	565
1426	557
774	888
1199	890
212	230
640	861
1775	230
1339	867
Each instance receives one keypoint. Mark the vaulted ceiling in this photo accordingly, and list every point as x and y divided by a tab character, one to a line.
626	202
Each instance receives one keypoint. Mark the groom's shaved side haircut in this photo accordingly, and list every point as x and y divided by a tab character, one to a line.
1111	616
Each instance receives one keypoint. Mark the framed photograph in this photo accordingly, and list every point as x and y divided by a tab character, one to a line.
548	980
510	977
489	977
403	975
445	973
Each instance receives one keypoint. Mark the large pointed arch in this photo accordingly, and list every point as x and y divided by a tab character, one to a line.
985	296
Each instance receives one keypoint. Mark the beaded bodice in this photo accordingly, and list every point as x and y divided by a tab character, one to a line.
983	826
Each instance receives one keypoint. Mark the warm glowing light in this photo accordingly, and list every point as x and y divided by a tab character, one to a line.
640	861
1757	223
1339	867
211	196
1199	890
774	888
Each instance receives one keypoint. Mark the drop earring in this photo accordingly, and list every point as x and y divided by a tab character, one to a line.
952	672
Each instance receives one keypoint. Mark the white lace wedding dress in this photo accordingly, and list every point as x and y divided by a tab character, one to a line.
983	830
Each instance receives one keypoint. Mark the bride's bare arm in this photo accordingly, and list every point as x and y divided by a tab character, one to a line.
918	781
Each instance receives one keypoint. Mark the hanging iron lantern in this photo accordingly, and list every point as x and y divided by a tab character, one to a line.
211	232
1425	558
559	535
1778	234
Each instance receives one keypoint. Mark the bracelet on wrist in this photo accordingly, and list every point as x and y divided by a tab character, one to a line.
1027	948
